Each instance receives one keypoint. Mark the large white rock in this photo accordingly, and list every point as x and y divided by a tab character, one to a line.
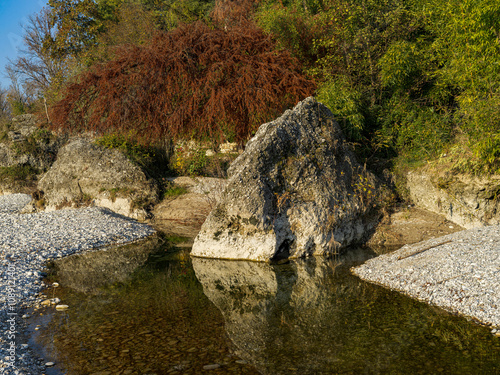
85	173
296	191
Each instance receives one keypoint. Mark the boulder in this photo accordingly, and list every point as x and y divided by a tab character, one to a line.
24	143
296	190
25	152
87	174
469	201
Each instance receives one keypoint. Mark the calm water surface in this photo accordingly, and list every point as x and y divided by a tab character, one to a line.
151	309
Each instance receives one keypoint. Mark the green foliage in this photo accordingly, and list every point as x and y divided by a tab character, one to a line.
23	174
399	65
412	79
78	24
139	154
346	103
174	191
152	158
44	136
419	132
294	25
169	13
19	106
189	160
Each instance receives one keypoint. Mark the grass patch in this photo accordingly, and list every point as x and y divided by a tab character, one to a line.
18	173
174	191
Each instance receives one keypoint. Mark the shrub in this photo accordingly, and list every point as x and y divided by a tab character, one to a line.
193	82
346	104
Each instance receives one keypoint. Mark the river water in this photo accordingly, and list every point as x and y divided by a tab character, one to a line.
149	308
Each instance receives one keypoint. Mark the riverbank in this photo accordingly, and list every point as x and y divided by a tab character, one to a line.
27	242
459	273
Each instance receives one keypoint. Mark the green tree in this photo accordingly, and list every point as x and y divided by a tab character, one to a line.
78	23
169	13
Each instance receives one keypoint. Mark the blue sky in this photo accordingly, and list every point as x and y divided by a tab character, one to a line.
13	15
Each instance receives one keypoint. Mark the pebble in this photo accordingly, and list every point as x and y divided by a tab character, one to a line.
28	241
459	272
211	367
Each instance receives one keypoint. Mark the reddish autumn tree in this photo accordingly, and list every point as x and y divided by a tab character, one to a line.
194	81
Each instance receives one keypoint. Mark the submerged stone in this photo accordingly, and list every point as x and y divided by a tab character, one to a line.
296	191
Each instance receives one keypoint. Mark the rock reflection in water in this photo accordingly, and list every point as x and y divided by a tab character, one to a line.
312	317
89	271
137	309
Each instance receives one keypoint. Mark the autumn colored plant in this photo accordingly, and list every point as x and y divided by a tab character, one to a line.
195	81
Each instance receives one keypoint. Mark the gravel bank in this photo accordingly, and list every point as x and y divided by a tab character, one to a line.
459	272
27	241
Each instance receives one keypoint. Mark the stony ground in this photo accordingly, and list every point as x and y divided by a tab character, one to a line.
459	272
408	225
27	242
461	276
183	215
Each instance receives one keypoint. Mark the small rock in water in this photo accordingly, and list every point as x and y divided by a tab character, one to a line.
45	302
55	301
49	364
211	367
55	285
61	307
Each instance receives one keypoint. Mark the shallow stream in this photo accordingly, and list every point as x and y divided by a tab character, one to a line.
149	308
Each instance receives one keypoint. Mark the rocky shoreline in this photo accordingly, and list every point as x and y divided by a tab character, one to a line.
459	272
27	242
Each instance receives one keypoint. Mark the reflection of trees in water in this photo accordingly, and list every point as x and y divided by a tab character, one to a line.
312	316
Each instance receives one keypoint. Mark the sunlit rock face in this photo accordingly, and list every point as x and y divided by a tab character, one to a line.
297	190
85	173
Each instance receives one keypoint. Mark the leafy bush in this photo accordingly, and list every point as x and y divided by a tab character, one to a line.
294	25
346	104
